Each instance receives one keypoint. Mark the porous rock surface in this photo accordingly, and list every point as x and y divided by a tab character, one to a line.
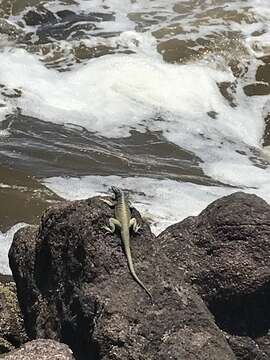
42	349
225	253
12	332
74	286
246	348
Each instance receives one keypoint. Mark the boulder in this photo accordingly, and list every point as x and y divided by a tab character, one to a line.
224	252
246	348
12	332
257	88
42	349
74	286
263	73
38	16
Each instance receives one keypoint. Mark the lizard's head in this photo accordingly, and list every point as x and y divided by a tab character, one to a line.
117	192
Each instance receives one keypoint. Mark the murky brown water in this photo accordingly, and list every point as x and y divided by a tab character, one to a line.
22	198
36	149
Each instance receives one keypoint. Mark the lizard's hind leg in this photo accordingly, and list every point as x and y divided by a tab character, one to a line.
135	226
112	222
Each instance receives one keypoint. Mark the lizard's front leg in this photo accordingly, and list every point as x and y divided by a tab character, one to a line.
135	226
113	222
108	202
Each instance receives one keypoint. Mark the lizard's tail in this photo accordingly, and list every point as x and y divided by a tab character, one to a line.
133	273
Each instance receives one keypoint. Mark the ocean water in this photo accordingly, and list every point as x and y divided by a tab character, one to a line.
168	100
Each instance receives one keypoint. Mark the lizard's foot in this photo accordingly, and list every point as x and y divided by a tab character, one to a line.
113	222
108	230
135	226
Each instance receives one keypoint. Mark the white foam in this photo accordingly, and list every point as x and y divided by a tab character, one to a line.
162	202
4	133
116	93
5	242
113	94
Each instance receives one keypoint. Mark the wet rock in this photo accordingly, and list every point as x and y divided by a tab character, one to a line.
224	253
39	16
12	333
239	69
227	89
9	33
65	24
265	59
177	51
263	73
74	286
256	89
42	350
63	31
84	52
67	15
266	135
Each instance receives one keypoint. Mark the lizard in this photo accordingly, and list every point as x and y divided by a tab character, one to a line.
124	222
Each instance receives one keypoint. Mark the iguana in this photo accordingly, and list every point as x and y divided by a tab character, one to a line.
124	221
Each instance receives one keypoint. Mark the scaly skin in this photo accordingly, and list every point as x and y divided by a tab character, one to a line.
124	221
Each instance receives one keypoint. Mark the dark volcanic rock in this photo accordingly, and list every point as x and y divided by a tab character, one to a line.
263	73
64	24
67	15
224	252
8	29
74	286
41	350
265	59
63	31
39	16
266	135
246	349
257	89
12	333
